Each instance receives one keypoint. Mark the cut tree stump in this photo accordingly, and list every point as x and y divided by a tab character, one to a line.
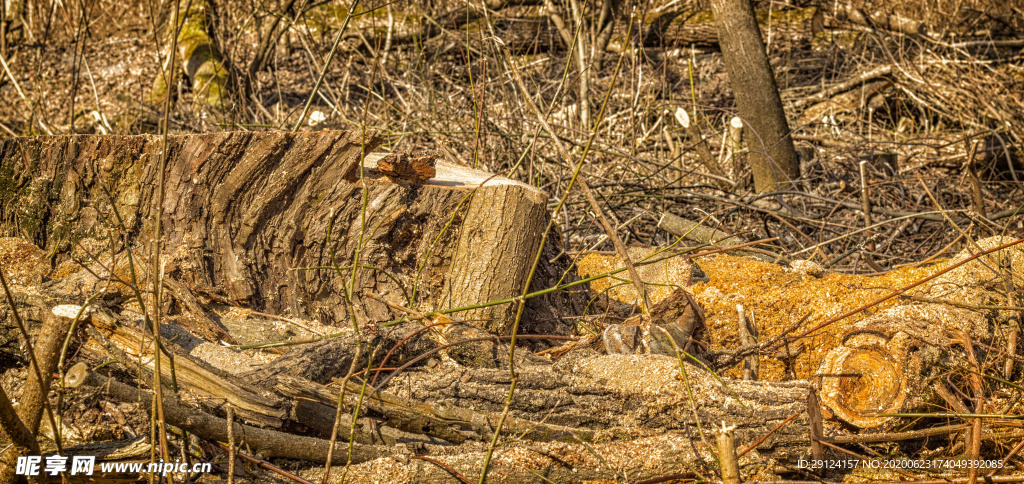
275	221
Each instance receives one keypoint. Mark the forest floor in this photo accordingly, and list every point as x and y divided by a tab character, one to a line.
924	130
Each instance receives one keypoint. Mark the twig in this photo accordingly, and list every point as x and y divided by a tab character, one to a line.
157	272
865	201
979	202
748	337
231	443
270	467
896	436
978	388
765	436
540	248
1017	448
845	85
981	307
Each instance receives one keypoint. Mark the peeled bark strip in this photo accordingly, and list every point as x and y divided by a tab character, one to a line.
251	213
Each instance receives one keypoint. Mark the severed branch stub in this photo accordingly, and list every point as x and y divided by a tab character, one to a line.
727	455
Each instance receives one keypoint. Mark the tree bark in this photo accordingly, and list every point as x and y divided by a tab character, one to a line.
35	394
772	155
605	392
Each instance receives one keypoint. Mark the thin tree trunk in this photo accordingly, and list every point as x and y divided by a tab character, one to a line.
772	155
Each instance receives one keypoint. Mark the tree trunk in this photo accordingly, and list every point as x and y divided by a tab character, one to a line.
199	57
772	155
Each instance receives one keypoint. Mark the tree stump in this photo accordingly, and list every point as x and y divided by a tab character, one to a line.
287	223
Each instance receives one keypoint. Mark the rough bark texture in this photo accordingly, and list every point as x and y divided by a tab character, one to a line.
32	307
269	443
250	214
503	227
772	155
616	402
46	346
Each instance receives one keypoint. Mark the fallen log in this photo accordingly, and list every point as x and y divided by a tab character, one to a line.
884	361
608	416
880	20
270	443
530	31
634	391
206	384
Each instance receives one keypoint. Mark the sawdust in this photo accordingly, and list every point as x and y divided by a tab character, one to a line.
23	263
630	457
651	375
662	277
780	296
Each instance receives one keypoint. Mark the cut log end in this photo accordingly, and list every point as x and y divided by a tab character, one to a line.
871	376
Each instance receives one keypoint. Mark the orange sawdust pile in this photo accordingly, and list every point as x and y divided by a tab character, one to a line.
780	296
661	271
